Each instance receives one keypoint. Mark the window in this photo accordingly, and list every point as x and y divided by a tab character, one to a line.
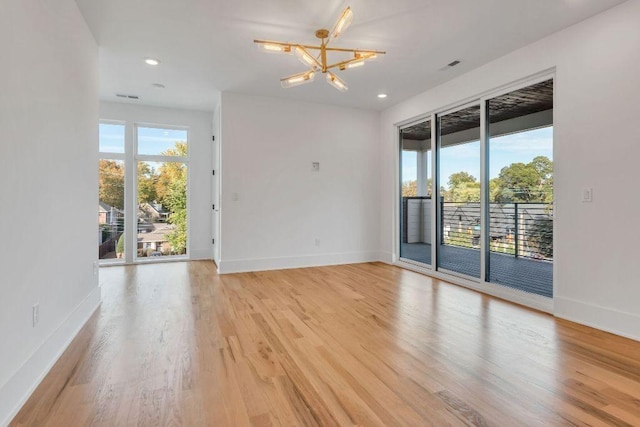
143	192
161	191
111	191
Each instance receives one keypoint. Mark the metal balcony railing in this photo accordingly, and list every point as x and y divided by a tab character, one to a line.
518	229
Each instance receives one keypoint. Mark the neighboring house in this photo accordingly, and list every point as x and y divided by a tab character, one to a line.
153	211
107	214
155	239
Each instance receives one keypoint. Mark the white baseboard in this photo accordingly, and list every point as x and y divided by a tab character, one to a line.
386	257
15	392
198	254
281	263
607	319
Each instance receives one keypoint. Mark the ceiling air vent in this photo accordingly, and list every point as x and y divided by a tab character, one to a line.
450	65
121	95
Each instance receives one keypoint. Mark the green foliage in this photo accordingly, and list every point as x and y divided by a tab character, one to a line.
111	183
410	188
147	191
169	172
120	245
177	202
459	178
174	195
463	187
519	182
465	192
541	236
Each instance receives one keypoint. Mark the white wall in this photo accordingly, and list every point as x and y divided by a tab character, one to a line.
216	188
200	161
48	180
282	206
597	144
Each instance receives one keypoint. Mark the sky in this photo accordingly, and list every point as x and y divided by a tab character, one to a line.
503	151
151	141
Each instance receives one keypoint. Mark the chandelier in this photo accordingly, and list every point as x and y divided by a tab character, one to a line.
315	57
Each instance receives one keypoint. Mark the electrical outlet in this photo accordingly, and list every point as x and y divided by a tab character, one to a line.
36	314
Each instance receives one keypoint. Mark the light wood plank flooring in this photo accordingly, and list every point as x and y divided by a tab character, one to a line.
366	344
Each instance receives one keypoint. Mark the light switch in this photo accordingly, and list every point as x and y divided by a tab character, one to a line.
315	166
587	195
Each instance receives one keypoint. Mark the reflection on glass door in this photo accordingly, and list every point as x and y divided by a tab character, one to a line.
458	209
520	196
415	178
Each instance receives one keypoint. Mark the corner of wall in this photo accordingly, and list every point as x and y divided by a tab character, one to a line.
15	392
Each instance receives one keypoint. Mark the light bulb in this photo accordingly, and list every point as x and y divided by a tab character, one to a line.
366	55
343	23
298	79
306	58
337	82
354	64
274	48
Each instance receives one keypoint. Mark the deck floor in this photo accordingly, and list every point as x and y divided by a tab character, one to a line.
524	274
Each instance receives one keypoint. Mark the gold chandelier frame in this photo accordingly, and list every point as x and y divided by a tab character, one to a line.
318	62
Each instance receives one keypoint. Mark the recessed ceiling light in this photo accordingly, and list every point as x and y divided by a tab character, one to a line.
382	95
158	85
151	61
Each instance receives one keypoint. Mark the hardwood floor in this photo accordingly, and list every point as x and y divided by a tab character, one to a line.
366	344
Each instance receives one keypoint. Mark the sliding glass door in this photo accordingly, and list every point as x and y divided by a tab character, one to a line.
520	197
458	180
476	190
416	188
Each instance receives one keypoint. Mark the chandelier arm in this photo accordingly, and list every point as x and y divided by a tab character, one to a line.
337	49
320	64
328	49
273	42
347	62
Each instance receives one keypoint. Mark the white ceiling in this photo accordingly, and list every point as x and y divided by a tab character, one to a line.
206	45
